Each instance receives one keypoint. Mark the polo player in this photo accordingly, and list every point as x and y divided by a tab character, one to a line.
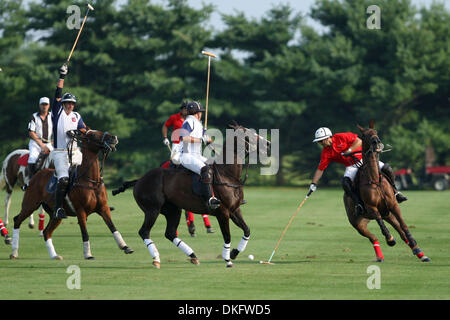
341	147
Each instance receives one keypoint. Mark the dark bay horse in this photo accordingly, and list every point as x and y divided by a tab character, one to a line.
379	199
168	191
13	173
87	195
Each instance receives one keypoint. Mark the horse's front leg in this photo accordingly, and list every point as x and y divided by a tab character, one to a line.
82	218
373	212
105	213
223	217
48	231
238	220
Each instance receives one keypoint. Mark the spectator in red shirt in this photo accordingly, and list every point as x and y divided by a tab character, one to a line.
339	148
175	122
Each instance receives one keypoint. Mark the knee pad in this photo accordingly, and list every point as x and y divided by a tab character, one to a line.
64	181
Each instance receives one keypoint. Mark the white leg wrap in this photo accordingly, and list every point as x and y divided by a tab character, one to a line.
31	222
119	239
226	251
152	249
87	249
15	242
50	248
7	205
243	243
183	246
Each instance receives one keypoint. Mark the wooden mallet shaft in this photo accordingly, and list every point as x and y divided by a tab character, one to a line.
210	55
79	32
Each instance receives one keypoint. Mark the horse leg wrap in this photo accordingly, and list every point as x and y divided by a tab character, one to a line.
41	221
87	249
152	249
119	240
411	242
15	242
226	251
3	229
243	243
418	252
183	246
50	248
376	247
384	230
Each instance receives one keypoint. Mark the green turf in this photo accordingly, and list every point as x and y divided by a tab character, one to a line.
320	257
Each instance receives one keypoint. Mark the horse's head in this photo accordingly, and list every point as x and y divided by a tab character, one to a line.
371	143
95	140
250	137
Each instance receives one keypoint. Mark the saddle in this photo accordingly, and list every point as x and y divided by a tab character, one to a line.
53	181
196	179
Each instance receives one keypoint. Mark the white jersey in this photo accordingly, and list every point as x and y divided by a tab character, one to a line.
194	128
42	128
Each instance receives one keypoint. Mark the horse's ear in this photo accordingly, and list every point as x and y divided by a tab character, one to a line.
360	128
371	124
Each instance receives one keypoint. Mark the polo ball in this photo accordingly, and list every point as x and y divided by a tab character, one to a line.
251	257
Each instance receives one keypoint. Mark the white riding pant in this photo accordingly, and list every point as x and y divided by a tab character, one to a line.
61	161
193	161
35	150
177	149
352	170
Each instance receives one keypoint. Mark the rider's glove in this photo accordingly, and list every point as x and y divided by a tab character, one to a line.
312	187
166	141
63	71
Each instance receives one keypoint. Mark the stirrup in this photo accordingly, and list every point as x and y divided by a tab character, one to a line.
213	203
60	214
359	209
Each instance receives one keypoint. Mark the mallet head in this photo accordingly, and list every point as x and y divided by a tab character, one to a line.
90	7
206	53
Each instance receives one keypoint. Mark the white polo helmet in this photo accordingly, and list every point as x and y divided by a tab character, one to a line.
322	133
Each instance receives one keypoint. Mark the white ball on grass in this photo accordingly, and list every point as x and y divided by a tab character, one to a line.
251	257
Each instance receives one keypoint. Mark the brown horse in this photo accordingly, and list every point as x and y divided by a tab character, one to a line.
170	190
13	173
87	195
379	199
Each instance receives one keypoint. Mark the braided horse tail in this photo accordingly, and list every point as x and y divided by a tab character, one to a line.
125	186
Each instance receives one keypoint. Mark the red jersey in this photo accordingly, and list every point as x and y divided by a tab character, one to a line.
176	122
341	143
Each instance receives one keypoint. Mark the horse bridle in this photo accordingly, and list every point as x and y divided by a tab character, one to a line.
105	148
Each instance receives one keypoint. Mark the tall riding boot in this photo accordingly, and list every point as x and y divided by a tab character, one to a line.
387	170
206	178
347	186
60	193
31	169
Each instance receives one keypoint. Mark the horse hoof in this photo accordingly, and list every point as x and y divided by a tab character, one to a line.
31	226
234	253
425	259
57	258
391	242
88	258
379	260
7	240
195	261
229	264
127	250
156	264
41	233
13	257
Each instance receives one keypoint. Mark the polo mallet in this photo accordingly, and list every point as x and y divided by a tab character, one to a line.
209	54
285	229
79	32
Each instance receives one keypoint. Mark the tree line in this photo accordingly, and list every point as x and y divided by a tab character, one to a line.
137	61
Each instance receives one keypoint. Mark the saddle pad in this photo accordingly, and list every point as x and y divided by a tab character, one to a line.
196	184
23	160
51	184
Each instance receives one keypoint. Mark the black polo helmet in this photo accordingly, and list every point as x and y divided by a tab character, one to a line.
184	104
68	97
194	107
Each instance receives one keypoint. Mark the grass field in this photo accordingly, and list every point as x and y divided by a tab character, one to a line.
320	257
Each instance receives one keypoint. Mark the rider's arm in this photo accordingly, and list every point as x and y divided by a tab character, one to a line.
164	131
317	175
35	137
